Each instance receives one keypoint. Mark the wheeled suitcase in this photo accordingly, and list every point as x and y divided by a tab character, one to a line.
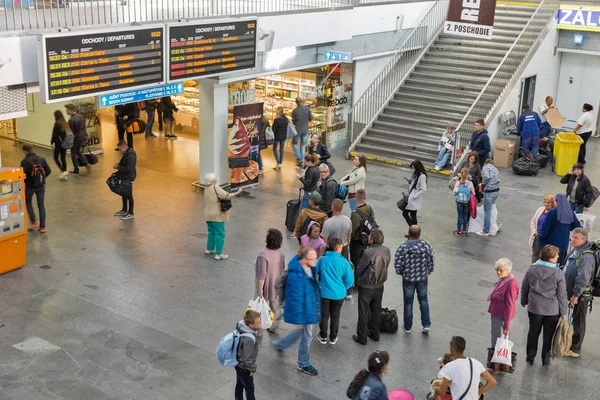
292	212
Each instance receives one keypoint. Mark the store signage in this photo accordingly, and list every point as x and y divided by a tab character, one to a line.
577	18
339	56
471	18
197	51
81	65
132	96
243	144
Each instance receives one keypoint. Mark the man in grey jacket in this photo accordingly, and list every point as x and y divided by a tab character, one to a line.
247	354
579	273
301	116
371	274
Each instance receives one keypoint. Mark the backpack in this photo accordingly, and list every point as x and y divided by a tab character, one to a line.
342	192
38	174
369	224
69	139
306	224
463	195
228	347
389	320
141	105
280	285
595	250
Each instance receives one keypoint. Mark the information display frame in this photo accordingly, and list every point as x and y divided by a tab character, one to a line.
205	24
44	72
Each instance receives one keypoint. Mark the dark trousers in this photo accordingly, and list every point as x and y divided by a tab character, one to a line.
369	312
160	119
330	308
536	323
60	157
579	316
245	381
149	122
120	129
463	210
410	216
585	137
128	202
39	196
77	156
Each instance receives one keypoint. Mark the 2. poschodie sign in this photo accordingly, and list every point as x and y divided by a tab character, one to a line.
471	18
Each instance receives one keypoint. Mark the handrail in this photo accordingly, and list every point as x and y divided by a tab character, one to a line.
367	108
458	148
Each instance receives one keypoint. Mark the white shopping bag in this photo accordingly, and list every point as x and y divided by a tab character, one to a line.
476	224
503	351
262	306
586	221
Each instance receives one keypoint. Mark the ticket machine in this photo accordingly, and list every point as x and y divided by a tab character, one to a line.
13	228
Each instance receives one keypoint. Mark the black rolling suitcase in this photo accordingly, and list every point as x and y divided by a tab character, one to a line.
292	212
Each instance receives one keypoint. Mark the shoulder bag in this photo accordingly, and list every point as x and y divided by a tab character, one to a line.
470	381
403	202
225	203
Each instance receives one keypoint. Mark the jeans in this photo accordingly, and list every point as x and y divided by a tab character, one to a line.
496	331
330	308
39	196
77	156
536	323
577	208
352	203
149	123
244	381
582	151
489	199
305	200
61	153
532	143
216	236
278	155
299	152
369	312
409	295
305	336
545	129
410	216
579	316
443	158
169	123
463	210
260	163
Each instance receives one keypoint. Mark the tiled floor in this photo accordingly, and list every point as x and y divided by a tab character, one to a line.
106	309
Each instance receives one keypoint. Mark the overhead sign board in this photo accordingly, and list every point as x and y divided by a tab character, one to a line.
338	56
87	64
201	50
579	18
471	18
132	96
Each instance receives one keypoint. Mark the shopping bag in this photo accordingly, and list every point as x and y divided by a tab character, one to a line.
561	341
476	224
503	351
586	221
262	306
291	131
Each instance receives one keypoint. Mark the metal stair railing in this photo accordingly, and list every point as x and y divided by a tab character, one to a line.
503	78
372	102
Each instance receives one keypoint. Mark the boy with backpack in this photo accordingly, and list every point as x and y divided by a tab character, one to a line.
36	171
240	350
462	195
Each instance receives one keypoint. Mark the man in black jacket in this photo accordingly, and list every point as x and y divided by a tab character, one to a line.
328	189
36	170
371	274
77	125
126	171
125	114
357	247
310	180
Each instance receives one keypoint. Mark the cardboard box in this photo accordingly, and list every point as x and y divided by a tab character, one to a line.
555	118
504	152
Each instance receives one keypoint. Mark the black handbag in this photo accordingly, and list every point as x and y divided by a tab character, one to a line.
403	202
225	203
90	157
122	187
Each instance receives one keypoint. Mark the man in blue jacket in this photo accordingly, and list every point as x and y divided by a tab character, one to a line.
529	128
480	141
302	306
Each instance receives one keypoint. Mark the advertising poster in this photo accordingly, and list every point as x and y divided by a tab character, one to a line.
471	18
242	144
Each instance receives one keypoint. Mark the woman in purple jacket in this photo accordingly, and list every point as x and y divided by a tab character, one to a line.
503	299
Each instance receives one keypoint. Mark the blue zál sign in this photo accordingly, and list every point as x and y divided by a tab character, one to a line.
339	56
133	96
577	18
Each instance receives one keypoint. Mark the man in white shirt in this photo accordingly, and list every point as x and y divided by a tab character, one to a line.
545	128
463	374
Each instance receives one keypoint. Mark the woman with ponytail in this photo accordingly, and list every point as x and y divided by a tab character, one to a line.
367	384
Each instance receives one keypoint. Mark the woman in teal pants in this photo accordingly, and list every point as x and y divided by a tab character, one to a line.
215	218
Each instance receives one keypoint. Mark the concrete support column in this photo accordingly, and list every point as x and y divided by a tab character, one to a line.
213	129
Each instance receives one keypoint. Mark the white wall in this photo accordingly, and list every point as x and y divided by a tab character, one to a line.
545	65
584	69
365	70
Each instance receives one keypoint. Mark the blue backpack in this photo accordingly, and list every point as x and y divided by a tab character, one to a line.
464	194
228	346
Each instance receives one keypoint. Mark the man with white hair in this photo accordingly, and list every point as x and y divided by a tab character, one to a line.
329	189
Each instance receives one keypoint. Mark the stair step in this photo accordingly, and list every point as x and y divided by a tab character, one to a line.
488	44
459	55
404	132
444	97
414	144
402	155
432	105
432	121
454	77
519	27
432	81
451	63
435	69
521	19
476	51
418	113
413	87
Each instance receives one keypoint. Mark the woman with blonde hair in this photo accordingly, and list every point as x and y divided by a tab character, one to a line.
462	195
536	225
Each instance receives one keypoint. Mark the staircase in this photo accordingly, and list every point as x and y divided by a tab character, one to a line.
445	84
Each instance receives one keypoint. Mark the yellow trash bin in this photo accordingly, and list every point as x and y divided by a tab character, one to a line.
566	151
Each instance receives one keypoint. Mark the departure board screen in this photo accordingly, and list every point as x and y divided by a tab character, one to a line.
210	49
94	63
